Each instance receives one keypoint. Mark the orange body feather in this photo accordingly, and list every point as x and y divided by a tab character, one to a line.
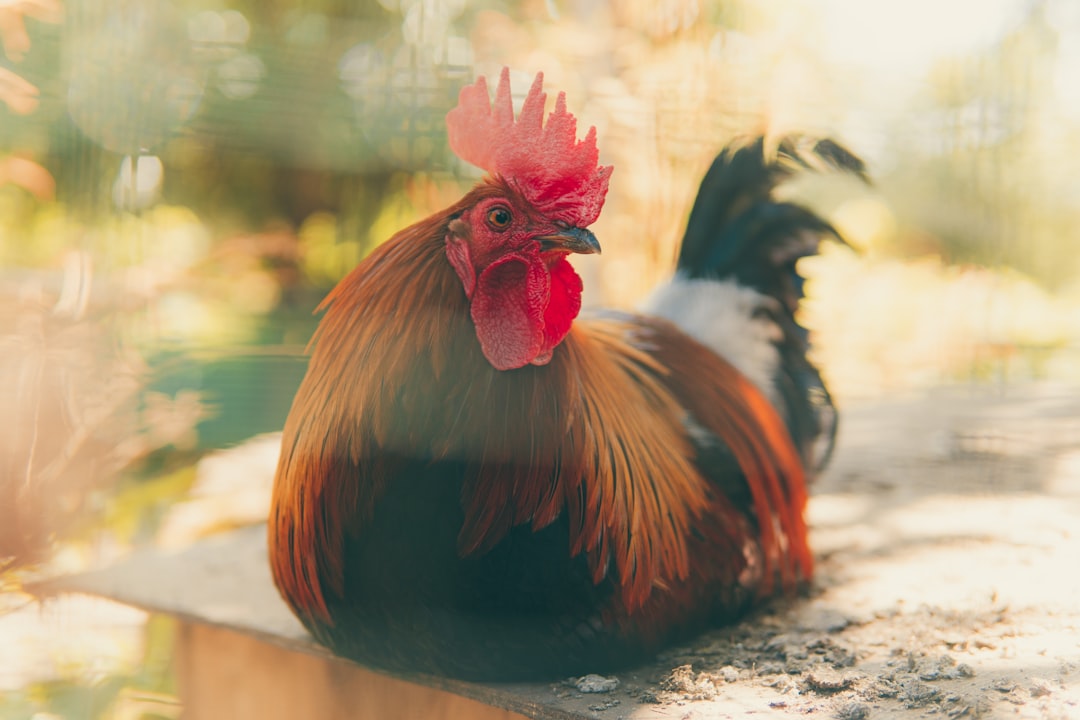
589	454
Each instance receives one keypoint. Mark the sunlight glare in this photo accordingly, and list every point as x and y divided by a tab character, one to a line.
1066	77
138	185
906	36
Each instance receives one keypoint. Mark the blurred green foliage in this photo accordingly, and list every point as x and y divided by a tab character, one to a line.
144	691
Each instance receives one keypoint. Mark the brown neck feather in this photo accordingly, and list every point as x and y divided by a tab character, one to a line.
390	310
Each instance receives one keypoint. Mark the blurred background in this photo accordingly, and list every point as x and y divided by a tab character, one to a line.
181	181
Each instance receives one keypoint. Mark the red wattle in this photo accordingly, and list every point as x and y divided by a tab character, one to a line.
508	309
522	309
562	308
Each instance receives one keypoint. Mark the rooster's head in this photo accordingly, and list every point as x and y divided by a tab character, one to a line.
509	243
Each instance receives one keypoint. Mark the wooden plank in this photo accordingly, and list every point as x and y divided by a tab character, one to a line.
223	673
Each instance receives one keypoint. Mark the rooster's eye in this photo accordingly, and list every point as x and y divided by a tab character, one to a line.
498	218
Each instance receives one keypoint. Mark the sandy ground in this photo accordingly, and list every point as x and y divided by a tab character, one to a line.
948	580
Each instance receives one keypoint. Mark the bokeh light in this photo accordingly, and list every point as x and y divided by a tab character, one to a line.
133	80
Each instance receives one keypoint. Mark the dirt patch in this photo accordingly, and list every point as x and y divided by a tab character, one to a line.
948	579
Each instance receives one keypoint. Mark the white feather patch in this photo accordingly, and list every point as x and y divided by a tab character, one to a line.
721	316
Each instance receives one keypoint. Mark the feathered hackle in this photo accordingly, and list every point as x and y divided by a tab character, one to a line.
546	163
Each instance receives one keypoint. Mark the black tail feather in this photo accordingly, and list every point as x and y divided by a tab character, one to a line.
739	231
735	212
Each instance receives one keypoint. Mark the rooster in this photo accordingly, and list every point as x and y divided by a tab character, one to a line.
475	483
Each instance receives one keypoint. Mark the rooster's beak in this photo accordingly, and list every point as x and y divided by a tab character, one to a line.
577	240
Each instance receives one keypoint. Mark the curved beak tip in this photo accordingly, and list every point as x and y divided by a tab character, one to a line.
574	239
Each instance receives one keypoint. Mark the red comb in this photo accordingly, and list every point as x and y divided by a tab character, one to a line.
555	172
